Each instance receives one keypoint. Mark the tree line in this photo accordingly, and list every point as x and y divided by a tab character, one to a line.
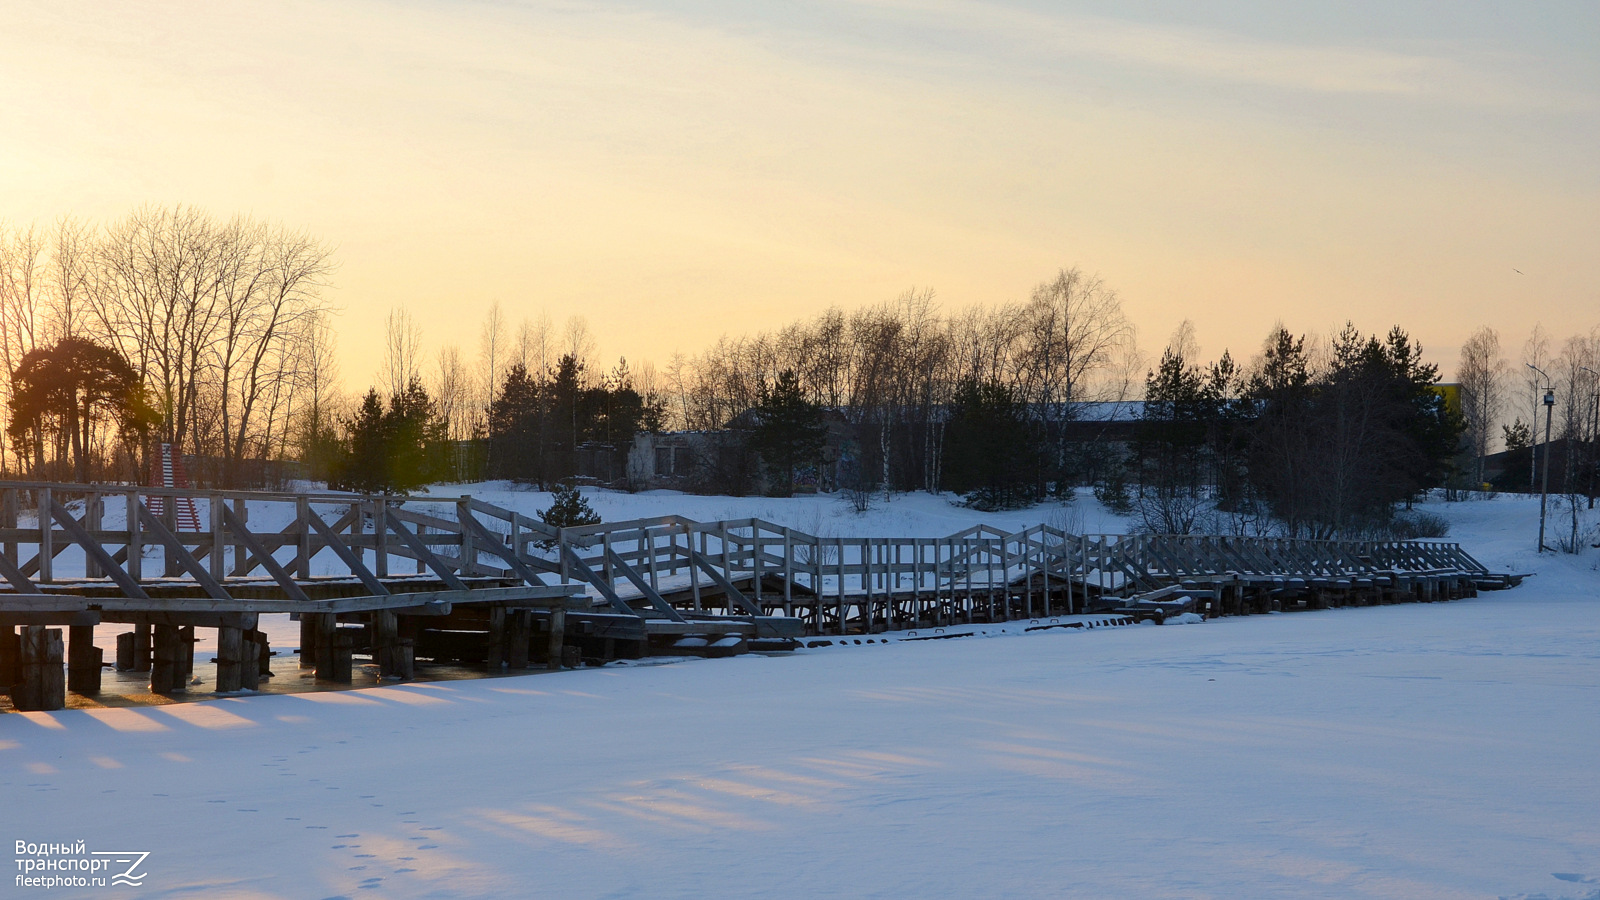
170	325
1303	442
1503	403
167	325
893	372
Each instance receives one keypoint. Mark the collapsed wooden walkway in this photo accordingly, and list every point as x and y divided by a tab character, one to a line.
487	585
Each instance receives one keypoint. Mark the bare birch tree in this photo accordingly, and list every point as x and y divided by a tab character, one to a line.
1535	352
1481	372
402	350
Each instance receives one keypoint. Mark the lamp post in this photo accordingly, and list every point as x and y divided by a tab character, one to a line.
1544	480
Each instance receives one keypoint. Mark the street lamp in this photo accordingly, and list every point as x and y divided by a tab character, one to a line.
1544	481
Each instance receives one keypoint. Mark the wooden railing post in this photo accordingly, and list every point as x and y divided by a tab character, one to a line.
47	533
380	533
241	509
93	520
302	557
171	567
219	536
469	553
135	538
8	520
788	572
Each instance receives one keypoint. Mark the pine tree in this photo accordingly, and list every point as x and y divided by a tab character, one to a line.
395	449
992	450
514	428
569	508
364	467
789	432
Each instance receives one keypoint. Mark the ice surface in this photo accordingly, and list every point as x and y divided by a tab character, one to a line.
1421	750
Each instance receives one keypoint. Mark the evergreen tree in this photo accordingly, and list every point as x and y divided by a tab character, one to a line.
1519	447
515	432
417	443
1334	453
64	391
569	508
395	449
365	465
992	449
789	433
1172	445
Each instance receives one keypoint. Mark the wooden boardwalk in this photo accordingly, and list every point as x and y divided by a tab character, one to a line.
402	578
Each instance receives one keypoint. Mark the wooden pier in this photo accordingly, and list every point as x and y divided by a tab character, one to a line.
404	578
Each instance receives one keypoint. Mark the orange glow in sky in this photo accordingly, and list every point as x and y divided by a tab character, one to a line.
674	171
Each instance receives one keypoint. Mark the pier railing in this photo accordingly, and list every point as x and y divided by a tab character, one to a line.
125	538
455	578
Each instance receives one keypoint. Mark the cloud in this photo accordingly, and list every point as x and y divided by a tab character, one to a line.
1451	74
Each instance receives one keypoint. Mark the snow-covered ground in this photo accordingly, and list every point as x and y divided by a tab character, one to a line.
1439	750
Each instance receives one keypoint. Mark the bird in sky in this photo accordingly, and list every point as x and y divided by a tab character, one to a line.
1516	270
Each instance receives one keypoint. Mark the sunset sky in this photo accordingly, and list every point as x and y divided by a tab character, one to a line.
676	170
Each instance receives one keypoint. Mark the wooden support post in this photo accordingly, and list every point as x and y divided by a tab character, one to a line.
249	661
142	645
83	661
230	658
519	634
10	656
558	636
406	658
166	668
186	653
386	643
264	653
496	657
40	684
343	646
325	626
308	640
